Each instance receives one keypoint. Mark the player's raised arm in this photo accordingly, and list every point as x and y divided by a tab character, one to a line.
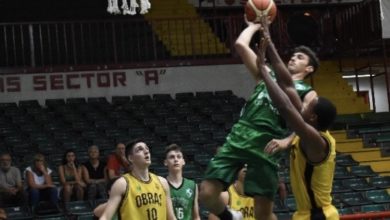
282	74
243	49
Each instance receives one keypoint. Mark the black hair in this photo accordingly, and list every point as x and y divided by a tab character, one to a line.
172	147
326	113
313	59
65	161
131	144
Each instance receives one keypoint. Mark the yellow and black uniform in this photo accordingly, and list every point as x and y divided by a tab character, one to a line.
312	182
242	203
143	200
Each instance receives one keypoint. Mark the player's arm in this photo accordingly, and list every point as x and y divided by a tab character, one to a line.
116	195
282	74
195	209
243	49
309	135
170	212
224	196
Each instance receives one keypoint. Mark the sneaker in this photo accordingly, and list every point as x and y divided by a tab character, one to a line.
236	215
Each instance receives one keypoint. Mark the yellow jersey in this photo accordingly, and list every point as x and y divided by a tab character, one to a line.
143	200
312	183
242	203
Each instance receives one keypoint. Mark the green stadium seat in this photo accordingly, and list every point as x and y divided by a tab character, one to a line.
342	173
354	199
378	196
363	171
382	182
358	184
373	208
345	160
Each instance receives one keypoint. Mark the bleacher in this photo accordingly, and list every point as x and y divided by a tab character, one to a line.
199	122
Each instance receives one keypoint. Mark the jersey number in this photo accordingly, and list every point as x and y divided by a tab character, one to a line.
152	214
179	213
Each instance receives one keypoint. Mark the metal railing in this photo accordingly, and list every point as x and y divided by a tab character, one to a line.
135	42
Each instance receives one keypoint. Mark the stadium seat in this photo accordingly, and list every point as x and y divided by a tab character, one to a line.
342	173
339	187
354	199
18	213
345	160
141	98
75	101
79	208
378	196
119	100
184	96
363	171
357	184
373	208
382	182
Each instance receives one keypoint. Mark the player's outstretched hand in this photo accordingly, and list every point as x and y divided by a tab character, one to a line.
276	145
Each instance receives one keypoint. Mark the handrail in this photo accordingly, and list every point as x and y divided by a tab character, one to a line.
370	215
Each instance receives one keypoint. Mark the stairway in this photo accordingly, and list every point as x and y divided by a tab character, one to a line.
182	31
328	82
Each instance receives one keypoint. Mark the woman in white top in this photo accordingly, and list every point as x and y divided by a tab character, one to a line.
40	186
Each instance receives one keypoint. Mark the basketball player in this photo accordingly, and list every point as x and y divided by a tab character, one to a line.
139	194
259	123
312	157
184	192
235	198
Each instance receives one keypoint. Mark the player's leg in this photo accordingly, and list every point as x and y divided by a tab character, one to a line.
261	182
264	208
209	195
219	175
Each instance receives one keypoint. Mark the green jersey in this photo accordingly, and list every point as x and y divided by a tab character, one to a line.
260	116
183	199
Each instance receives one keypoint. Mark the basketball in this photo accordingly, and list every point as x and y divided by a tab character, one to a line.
254	9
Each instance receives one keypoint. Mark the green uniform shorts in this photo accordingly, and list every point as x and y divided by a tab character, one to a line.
262	172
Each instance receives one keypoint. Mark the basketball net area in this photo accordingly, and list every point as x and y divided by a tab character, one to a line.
128	8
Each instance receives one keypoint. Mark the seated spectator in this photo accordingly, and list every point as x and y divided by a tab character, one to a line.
94	175
39	182
11	188
117	163
70	173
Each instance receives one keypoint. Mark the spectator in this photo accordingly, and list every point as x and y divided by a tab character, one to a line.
39	182
11	188
117	164
70	173
94	175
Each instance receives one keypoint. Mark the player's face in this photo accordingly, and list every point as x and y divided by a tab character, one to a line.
299	63
308	111
140	154
174	160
